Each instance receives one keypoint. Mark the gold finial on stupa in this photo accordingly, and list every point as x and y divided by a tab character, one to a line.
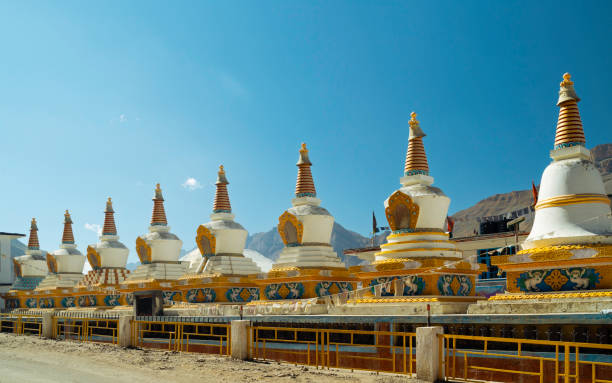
567	80
413	121
109	205
221	176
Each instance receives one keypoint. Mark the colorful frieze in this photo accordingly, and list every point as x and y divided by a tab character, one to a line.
46	303
171	296
242	294
454	285
204	295
12	303
129	299
289	290
412	285
68	302
569	279
87	301
30	303
112	300
324	288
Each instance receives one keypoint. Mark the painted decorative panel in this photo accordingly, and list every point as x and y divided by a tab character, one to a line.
242	294
171	296
12	303
330	288
454	285
290	290
205	295
570	279
68	302
112	300
30	303
413	285
87	301
46	303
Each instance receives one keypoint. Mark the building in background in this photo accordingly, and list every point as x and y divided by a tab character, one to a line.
7	275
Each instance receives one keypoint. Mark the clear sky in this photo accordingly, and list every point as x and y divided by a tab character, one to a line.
107	98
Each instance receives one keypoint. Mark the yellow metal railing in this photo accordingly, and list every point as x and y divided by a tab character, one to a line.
97	330
550	361
384	351
21	324
182	336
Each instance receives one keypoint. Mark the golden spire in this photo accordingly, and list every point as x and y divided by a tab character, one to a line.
569	125
221	203
109	219
68	236
158	217
304	186
33	241
416	160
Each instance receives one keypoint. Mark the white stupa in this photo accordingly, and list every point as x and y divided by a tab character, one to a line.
416	212
159	249
108	257
66	263
30	268
306	227
565	260
221	241
572	206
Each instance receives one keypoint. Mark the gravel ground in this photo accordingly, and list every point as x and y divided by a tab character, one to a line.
31	359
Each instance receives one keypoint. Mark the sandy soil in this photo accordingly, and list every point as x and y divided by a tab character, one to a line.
30	359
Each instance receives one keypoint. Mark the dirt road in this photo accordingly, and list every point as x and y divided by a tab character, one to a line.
30	359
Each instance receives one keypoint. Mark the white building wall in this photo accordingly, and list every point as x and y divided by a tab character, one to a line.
6	262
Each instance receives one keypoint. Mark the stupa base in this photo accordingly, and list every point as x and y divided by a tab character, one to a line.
419	277
198	288
66	298
285	307
545	303
404	305
305	283
104	277
157	271
60	280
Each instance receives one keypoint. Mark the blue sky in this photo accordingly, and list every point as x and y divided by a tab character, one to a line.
107	98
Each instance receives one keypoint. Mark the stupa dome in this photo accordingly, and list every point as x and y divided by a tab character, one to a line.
158	245
68	259
108	252
221	241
